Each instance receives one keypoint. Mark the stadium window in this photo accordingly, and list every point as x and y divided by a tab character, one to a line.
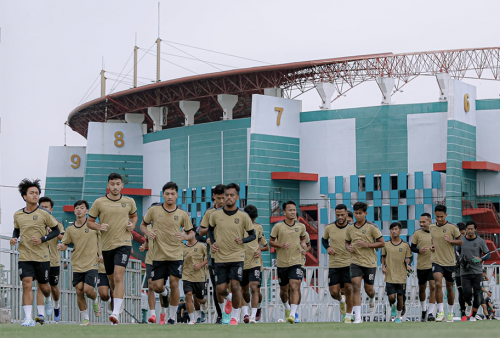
184	196
404	224
361	183
377	213
193	195
189	208
402	194
377	183
394	213
394	182
369	196
203	194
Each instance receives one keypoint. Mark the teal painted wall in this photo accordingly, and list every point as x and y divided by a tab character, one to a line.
267	154
64	191
381	133
461	147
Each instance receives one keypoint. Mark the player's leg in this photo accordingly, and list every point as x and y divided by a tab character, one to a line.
335	285
40	302
190	306
294	285
461	299
89	289
475	281
221	272
79	284
284	292
151	302
104	290
431	316
27	283
211	270
200	300
450	293
255	289
438	278
400	306
56	294
42	271
174	297
245	291
422	296
369	280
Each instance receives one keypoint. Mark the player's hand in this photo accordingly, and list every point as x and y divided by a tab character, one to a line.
350	247
215	248
196	266
13	241
152	235
130	226
142	247
49	229
488	293
407	261
432	248
286	245
423	249
36	240
257	254
476	259
446	237
61	246
303	245
101	259
384	270
208	241
361	244
238	241
181	236
104	227
302	251
331	251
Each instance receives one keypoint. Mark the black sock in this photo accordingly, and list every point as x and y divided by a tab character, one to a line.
474	313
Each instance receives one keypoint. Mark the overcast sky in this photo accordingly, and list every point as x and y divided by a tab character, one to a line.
51	52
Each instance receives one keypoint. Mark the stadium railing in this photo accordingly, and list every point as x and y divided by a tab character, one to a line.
11	289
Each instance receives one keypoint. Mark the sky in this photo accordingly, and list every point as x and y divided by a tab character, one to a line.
51	53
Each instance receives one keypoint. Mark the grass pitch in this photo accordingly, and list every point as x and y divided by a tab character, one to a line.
274	330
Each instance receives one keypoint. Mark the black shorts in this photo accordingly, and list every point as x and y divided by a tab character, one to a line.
38	270
394	288
226	271
89	277
368	274
118	256
54	275
199	289
448	272
149	268
290	272
251	275
424	276
102	280
165	269
339	276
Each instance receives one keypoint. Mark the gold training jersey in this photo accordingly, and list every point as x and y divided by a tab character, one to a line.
165	225
85	255
369	233
205	223
195	254
336	235
150	253
55	255
116	214
444	253
229	225
252	247
284	233
421	239
102	268
33	224
395	261
308	241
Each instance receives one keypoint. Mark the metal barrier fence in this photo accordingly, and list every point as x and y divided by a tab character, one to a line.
11	289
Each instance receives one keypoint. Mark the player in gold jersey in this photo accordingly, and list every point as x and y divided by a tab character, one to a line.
55	263
30	225
396	257
421	243
227	235
444	236
84	260
362	238
218	200
339	258
194	278
170	225
105	292
117	216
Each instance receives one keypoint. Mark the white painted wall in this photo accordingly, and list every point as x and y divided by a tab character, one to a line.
264	116
60	162
101	138
427	139
327	148
487	145
156	169
456	110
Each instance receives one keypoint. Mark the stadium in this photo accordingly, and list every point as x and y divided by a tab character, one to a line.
247	126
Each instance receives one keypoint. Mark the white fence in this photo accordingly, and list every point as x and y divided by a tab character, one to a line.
11	288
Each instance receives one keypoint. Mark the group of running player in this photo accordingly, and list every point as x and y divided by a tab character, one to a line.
178	251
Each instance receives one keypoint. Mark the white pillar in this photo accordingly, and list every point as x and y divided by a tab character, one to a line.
227	102
189	108
276	92
326	91
386	85
156	115
443	80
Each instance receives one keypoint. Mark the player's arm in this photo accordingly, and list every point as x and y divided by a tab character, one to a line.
457	241
200	238
204	224
54	232
92	224
379	243
383	261
132	221
414	248
15	235
66	240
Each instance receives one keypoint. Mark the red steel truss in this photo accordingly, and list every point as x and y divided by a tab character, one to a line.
294	78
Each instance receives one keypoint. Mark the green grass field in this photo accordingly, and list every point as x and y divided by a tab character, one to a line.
274	330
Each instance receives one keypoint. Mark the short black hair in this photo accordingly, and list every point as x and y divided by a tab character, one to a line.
233	186
360	206
395	224
350	214
26	184
426	214
252	211
46	199
440	207
219	189
170	185
471	222
461	226
341	207
80	202
115	176
287	203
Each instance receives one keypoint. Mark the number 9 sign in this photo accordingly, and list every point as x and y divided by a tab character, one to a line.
75	159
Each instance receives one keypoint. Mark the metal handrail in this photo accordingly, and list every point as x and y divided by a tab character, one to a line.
481	203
